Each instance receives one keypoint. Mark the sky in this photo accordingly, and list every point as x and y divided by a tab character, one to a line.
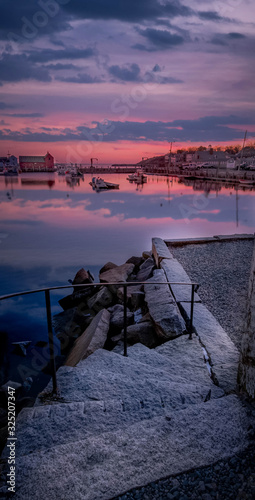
119	80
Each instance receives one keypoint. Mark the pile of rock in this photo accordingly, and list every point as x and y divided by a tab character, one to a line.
93	316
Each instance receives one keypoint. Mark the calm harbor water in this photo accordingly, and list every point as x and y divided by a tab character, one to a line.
50	228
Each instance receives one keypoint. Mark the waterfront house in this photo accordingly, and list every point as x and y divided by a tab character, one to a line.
37	163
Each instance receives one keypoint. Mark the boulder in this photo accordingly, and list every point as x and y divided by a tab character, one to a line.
117	274
167	320
76	298
107	267
137	261
92	339
144	333
160	251
102	299
162	307
117	318
72	322
82	276
131	291
147	254
137	299
145	270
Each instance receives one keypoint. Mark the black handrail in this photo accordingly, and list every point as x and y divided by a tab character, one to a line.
125	284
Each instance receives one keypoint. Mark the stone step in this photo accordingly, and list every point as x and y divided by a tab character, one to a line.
105	465
181	358
174	272
107	375
224	356
44	427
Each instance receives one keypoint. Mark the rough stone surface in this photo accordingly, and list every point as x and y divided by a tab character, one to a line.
175	273
102	299
92	339
223	270
110	463
117	318
106	375
181	358
131	290
81	277
220	348
147	254
246	373
72	322
107	267
141	332
158	293
137	261
77	297
160	251
145	270
116	274
164	313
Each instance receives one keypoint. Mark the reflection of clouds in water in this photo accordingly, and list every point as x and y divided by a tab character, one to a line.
114	201
45	228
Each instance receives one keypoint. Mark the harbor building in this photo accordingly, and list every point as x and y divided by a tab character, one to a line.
8	161
37	163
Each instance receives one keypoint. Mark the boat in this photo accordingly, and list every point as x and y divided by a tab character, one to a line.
246	182
11	171
137	177
73	173
98	184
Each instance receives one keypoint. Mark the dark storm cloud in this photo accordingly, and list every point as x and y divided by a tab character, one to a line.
17	67
161	39
227	39
236	36
128	73
47	55
24	20
127	10
132	73
60	66
80	78
208	128
212	16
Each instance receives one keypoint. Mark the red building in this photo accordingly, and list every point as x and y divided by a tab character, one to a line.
37	163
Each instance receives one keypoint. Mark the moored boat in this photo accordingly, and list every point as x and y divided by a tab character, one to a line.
137	177
98	183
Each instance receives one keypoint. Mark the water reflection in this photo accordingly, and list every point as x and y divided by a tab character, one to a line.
50	226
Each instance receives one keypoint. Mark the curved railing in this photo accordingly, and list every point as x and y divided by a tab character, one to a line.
46	291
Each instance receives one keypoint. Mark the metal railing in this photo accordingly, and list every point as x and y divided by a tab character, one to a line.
46	291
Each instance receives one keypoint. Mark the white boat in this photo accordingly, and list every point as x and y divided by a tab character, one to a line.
246	182
137	177
73	173
98	183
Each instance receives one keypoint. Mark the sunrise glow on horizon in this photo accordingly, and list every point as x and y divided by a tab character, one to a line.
121	81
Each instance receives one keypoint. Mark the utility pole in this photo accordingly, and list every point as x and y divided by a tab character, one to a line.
242	149
170	157
91	161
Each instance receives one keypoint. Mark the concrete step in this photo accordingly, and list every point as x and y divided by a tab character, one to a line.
106	375
105	465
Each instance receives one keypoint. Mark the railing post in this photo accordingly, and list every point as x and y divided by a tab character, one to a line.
51	343
191	311
125	320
